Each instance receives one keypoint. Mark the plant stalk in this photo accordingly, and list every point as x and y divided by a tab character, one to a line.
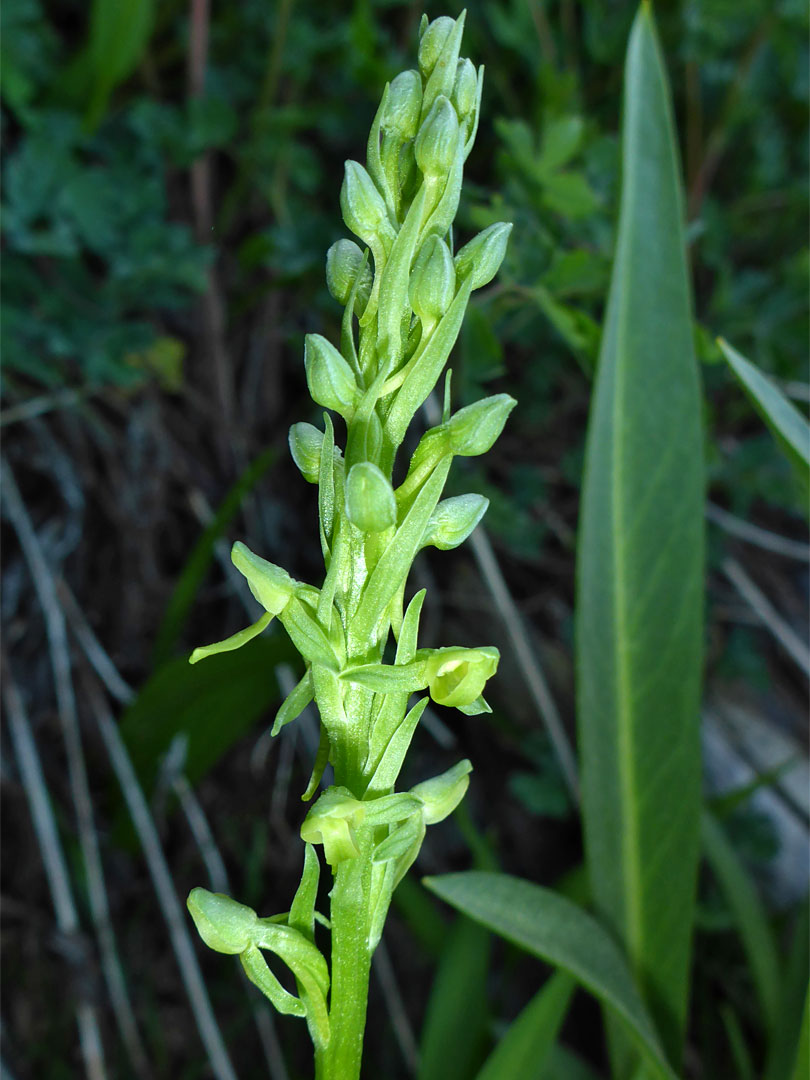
351	964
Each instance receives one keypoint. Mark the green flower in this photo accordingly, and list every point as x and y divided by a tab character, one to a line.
457	676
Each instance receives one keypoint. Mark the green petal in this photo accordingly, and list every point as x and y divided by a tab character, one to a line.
235	641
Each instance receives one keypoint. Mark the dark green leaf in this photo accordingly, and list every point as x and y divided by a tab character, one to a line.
198	562
454	1025
788	426
750	915
213	703
555	930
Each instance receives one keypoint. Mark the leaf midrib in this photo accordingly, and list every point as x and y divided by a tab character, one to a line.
634	923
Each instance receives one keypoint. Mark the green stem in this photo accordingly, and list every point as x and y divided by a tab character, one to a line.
351	963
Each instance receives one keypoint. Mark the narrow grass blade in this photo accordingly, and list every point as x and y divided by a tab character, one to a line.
202	554
453	1031
557	931
793	990
564	1064
802	1068
788	426
736	1040
523	1052
750	916
640	569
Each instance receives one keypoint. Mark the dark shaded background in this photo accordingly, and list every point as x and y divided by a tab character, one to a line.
171	182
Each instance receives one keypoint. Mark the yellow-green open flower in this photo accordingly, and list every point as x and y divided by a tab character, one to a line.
457	676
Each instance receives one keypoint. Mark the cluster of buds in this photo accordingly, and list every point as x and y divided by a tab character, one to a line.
404	294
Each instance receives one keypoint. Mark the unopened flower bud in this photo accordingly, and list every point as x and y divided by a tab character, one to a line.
344	262
465	88
441	795
403	106
271	585
331	822
330	379
362	205
474	429
433	41
305	446
457	676
484	254
433	281
436	144
224	925
370	502
453	520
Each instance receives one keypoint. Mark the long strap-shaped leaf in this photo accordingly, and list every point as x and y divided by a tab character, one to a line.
640	569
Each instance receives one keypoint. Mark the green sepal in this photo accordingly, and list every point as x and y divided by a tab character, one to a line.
474	429
481	258
453	521
437	143
294	703
399	841
403	106
331	381
370	503
235	641
465	89
347	274
442	74
225	925
414	830
441	219
319	766
391	808
364	210
431	448
271	585
433	36
433	282
441	795
475	708
305	443
302	909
